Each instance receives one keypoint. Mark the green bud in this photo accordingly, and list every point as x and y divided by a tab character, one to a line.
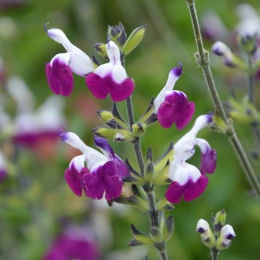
138	129
105	115
101	49
219	220
123	135
134	39
104	132
248	43
117	34
167	156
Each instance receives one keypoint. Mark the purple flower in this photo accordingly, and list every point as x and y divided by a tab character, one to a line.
111	78
103	174
59	69
73	244
187	180
172	106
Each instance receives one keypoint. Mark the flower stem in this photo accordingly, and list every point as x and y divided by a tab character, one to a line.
149	189
203	59
251	94
214	254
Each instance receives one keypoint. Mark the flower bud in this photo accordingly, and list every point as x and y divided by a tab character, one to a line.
117	33
219	220
227	233
207	236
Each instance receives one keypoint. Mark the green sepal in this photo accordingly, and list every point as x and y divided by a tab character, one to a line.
167	228
123	135
164	204
149	117
134	39
101	49
243	112
167	156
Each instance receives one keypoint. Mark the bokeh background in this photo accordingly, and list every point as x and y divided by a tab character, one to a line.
35	202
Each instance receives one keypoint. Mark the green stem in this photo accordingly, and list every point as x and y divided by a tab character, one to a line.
203	60
251	95
153	213
214	254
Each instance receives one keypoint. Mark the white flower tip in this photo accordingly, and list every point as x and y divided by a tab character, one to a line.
57	35
202	226
113	52
221	49
245	10
203	121
228	232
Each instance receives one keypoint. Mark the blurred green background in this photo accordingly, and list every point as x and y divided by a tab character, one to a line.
31	211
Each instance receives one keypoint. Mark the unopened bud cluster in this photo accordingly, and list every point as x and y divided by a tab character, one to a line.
218	238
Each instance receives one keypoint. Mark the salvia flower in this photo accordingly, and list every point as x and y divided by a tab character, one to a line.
110	78
94	172
221	49
249	25
173	106
227	233
187	180
207	236
73	244
59	70
202	226
213	27
31	125
3	168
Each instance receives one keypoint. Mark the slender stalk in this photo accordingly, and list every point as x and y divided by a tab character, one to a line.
251	95
153	213
203	60
214	254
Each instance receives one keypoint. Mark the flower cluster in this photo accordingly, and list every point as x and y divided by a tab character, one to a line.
103	174
223	233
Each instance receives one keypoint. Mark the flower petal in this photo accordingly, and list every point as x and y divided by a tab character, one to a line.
123	90
98	86
193	190
80	63
103	144
60	77
174	192
173	76
175	109
73	180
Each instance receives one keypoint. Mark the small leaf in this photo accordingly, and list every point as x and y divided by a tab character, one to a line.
134	39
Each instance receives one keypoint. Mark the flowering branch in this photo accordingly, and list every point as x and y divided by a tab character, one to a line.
154	214
202	57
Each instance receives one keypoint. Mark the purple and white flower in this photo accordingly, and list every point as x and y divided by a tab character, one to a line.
221	49
60	69
202	226
173	106
74	243
212	26
187	180
3	168
95	173
110	78
31	126
227	233
249	25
